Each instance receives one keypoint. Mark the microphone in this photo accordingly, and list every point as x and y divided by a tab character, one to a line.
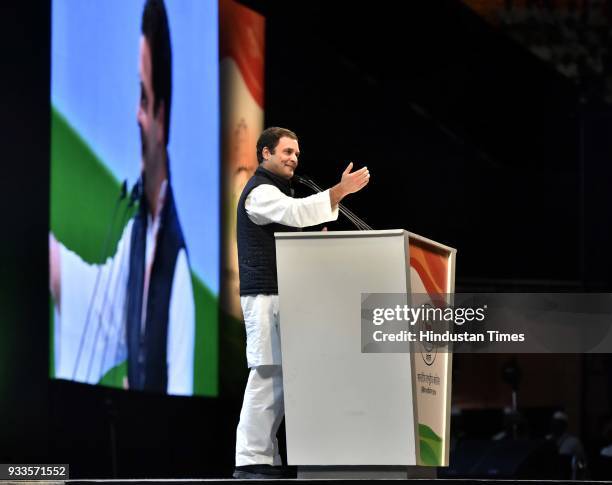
103	255
356	221
135	195
136	192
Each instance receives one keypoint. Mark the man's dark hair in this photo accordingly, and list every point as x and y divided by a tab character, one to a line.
156	31
269	138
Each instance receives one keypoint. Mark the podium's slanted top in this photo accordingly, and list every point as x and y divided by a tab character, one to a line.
380	233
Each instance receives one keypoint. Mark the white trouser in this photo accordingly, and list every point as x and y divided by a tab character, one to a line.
261	415
261	322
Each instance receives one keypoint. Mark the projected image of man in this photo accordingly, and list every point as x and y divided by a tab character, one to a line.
138	307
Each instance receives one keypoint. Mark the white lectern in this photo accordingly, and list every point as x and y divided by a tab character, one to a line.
349	413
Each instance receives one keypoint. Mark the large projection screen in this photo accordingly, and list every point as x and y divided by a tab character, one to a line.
135	273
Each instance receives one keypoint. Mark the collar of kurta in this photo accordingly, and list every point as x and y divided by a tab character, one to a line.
280	182
154	219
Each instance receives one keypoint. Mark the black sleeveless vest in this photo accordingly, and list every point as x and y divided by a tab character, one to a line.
147	359
256	246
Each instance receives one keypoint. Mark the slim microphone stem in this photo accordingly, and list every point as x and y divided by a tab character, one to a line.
103	256
117	261
356	221
134	198
361	225
108	299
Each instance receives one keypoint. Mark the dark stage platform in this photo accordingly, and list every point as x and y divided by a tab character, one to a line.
302	481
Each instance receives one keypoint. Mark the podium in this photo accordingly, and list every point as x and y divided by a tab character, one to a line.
349	413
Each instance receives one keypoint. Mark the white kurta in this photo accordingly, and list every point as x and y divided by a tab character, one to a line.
266	204
90	334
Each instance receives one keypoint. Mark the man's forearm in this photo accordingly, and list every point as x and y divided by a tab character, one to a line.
336	194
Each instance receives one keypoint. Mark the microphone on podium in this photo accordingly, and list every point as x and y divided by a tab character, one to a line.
356	221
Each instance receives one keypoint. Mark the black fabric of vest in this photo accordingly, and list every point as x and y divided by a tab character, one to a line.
147	359
256	246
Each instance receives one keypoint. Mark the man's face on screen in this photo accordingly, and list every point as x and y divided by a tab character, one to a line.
284	160
150	122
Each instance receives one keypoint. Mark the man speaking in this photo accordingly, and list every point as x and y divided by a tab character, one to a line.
266	206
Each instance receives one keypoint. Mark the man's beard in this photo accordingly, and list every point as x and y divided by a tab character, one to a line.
143	146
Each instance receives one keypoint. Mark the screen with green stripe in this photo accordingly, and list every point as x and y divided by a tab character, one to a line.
135	229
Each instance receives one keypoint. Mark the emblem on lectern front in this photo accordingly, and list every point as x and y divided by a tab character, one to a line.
427	348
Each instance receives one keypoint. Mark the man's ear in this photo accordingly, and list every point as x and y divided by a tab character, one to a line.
265	152
160	118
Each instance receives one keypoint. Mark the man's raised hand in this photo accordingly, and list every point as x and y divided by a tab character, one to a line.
349	183
353	182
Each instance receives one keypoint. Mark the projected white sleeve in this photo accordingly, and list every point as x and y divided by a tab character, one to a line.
89	336
266	204
181	330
